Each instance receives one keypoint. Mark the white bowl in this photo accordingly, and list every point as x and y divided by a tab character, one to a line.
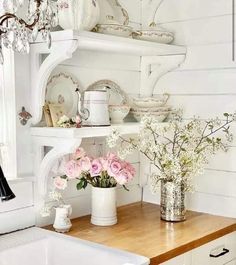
151	102
160	117
154	36
114	29
118	113
151	109
154	33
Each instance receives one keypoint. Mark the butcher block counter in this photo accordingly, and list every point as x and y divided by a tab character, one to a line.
140	230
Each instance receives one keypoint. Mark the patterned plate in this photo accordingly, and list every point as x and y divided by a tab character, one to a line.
61	89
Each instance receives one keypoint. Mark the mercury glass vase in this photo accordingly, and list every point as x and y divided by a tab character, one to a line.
172	202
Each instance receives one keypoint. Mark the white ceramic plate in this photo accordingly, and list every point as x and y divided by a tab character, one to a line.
116	95
61	89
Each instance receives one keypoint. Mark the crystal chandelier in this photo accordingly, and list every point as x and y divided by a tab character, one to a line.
17	33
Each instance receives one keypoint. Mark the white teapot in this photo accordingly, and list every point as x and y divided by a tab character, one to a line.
78	14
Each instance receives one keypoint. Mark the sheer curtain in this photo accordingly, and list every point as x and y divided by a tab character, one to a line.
7	117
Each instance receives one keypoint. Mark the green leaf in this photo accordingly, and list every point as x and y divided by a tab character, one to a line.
82	184
226	114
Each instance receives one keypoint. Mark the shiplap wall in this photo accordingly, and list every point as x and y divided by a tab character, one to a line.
205	86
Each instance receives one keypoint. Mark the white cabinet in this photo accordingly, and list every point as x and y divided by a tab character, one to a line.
221	251
233	262
217	252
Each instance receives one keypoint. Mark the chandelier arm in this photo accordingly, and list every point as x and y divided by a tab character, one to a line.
7	16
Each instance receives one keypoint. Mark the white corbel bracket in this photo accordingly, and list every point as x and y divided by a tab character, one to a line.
154	67
41	70
44	163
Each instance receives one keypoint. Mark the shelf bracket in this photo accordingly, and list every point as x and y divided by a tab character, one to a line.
154	67
41	70
44	163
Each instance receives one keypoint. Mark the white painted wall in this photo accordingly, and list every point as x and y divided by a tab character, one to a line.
204	86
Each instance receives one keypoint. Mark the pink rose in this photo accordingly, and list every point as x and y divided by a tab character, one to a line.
85	163
96	168
60	183
123	177
72	169
130	168
114	168
77	119
79	153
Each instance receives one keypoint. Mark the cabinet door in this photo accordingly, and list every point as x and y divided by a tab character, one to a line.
233	262
184	259
217	252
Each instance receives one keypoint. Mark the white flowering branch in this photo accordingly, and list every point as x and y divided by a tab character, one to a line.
178	150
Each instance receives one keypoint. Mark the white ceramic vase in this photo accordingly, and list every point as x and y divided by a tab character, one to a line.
78	14
62	223
104	206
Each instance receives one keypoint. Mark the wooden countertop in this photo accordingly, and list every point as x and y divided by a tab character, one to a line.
140	230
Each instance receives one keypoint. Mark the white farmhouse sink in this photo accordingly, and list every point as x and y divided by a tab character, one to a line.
37	246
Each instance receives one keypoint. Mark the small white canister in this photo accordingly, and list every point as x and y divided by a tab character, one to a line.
97	104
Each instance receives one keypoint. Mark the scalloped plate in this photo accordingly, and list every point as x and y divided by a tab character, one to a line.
61	89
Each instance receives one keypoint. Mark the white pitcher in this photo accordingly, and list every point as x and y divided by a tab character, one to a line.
62	223
78	14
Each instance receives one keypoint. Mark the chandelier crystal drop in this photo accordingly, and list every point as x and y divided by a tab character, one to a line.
17	33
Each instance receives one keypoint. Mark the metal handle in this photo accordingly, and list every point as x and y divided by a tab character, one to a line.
225	251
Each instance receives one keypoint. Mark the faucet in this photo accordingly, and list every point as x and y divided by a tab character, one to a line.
6	193
82	112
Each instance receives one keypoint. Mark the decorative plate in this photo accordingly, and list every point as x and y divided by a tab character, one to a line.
61	89
116	95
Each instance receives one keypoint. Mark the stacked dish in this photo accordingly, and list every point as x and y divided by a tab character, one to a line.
113	27
155	34
151	107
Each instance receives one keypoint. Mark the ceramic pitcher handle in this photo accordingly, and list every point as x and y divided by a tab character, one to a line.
166	97
70	211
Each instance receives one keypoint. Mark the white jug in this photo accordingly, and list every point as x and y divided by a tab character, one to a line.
62	223
97	104
78	14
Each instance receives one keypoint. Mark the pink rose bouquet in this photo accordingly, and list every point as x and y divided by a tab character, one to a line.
103	172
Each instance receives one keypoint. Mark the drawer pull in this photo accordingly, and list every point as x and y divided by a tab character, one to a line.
225	251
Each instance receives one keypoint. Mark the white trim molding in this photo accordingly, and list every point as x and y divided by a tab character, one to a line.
8	115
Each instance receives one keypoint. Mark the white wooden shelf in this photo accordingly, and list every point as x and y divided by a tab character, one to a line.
64	141
85	132
108	43
164	57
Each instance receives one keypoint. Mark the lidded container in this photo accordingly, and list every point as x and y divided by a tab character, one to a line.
96	101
